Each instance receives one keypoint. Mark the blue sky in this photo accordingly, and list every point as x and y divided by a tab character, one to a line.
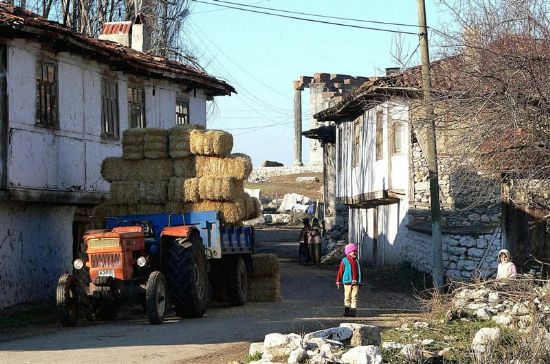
261	55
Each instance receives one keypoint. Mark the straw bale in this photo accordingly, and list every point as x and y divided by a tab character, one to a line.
153	192
109	209
152	132
220	188
148	170
146	209
175	189
133	148
266	284
155	155
183	129
155	147
179	154
133	135
257	294
211	142
185	167
132	156
190	190
232	212
124	192
237	166
252	207
265	265
177	207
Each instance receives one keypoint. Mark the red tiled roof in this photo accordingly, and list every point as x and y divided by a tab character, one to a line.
121	27
18	22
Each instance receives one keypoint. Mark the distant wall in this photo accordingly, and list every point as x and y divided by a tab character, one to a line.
283	171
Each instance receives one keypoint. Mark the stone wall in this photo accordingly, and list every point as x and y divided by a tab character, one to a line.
283	171
464	256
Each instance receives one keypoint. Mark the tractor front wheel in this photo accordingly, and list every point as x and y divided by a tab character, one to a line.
155	298
67	300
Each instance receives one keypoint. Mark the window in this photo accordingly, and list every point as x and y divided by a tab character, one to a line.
339	149
182	110
46	94
136	107
356	141
109	108
398	145
379	135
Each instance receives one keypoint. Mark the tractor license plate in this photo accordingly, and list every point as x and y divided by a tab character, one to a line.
107	273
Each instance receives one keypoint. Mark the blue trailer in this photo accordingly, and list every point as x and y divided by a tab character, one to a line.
161	260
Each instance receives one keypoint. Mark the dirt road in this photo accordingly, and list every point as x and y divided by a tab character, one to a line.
310	301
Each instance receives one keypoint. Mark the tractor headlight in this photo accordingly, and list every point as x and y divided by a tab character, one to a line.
78	264
141	261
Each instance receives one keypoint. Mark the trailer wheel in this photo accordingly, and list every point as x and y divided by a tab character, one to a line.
238	282
187	276
67	300
155	298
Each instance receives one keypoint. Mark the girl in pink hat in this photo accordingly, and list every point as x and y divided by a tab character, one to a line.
349	275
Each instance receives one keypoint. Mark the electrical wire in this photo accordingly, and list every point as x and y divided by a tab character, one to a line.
316	15
308	20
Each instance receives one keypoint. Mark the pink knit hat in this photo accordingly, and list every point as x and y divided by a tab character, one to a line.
348	249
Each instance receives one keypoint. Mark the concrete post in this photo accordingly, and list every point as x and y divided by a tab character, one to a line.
298	86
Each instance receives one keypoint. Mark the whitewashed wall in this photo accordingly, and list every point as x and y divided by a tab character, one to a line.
197	107
35	249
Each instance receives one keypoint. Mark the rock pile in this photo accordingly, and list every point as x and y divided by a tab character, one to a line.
516	304
348	343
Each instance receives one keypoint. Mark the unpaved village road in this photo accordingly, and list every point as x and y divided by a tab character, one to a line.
310	302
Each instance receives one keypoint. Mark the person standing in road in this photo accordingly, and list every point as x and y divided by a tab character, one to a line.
349	275
303	256
314	242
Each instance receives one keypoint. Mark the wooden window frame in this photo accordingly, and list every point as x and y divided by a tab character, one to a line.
136	105
182	110
398	130
110	121
339	151
356	156
379	142
47	94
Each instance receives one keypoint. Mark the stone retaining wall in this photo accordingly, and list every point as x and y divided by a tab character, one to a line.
283	171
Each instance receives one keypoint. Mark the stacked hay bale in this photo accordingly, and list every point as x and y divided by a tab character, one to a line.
178	170
264	283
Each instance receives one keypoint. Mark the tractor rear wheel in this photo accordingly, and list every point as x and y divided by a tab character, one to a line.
187	275
238	282
155	298
67	300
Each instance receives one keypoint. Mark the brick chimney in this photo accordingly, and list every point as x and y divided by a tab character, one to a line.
134	34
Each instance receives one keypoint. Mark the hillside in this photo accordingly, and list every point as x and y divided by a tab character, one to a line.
281	185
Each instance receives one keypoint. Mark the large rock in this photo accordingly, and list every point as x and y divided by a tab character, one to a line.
363	335
363	355
256	348
484	338
334	333
271	164
297	356
277	219
276	346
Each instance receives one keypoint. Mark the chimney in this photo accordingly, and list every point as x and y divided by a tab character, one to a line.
392	71
134	34
140	34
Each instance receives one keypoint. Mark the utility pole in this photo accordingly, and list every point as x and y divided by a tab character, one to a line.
431	152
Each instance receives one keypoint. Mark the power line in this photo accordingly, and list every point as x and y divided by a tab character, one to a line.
318	15
306	19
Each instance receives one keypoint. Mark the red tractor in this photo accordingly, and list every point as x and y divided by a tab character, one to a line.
158	260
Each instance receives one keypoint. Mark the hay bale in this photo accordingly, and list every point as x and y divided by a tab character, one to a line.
109	209
153	192
211	142
141	209
175	188
132	143
155	143
237	166
265	266
124	192
265	290
179	140
252	207
149	170
220	189
177	207
185	167
191	190
232	212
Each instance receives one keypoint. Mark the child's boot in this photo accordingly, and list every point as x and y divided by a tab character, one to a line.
352	312
346	311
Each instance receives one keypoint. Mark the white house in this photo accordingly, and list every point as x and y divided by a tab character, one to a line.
381	175
65	99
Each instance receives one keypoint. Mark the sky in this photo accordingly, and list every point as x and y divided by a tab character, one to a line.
260	55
